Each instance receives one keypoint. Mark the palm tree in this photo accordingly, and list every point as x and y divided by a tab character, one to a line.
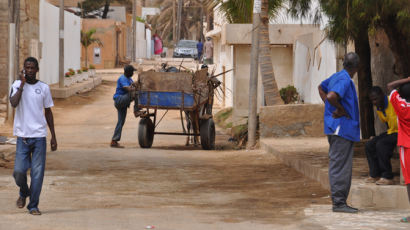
163	23
270	86
87	39
240	11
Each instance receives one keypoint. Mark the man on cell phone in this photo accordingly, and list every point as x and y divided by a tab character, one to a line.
33	102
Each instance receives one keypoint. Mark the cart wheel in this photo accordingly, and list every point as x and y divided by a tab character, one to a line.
207	131
145	133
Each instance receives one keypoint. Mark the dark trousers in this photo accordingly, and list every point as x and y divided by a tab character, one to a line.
340	168
379	150
122	103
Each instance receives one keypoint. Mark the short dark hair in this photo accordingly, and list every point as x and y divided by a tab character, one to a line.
351	61
129	70
32	59
404	91
376	90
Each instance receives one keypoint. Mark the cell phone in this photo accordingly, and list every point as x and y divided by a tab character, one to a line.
24	72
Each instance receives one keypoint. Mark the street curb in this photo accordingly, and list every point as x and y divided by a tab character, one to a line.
361	195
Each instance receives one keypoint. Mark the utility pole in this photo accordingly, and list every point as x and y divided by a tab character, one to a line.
61	47
253	81
134	32
17	38
14	7
179	20
201	26
174	32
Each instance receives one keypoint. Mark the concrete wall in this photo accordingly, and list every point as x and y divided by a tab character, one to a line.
278	34
141	41
314	61
282	61
106	32
291	120
49	37
224	59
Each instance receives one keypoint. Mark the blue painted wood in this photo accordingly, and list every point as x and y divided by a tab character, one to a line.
165	99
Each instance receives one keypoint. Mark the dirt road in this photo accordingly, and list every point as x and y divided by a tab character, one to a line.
89	185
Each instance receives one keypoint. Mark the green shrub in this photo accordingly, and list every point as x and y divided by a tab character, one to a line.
289	94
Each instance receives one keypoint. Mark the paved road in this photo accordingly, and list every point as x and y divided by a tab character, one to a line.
89	185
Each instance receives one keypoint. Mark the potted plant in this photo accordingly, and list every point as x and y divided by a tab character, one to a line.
92	70
85	72
68	80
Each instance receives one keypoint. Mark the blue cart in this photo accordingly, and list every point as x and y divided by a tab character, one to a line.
190	93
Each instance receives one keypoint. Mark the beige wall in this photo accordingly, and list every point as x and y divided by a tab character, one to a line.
282	61
106	32
278	34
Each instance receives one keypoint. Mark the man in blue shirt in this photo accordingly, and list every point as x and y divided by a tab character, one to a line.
199	47
341	125
122	100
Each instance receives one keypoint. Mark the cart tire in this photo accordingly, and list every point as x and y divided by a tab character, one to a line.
145	133
207	131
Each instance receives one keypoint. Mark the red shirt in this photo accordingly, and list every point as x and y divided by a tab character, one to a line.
402	108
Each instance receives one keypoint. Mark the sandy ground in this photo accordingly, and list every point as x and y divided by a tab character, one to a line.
89	185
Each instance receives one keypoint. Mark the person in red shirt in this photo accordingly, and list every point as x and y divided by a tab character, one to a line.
400	99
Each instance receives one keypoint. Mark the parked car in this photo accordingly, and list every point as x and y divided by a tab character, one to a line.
186	48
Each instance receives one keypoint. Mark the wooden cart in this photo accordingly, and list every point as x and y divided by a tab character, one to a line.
190	93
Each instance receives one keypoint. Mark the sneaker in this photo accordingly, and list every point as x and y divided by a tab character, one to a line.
345	208
371	179
35	212
21	202
384	181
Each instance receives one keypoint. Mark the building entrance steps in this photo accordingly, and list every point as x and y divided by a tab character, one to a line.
309	156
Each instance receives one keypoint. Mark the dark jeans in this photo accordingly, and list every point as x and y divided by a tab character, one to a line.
122	103
379	150
30	153
340	168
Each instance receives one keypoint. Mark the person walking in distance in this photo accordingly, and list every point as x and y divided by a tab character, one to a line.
199	47
401	102
341	125
208	52
32	100
124	93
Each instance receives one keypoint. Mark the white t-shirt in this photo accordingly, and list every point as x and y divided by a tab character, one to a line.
29	120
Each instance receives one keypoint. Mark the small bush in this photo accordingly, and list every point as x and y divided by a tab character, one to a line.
79	71
289	94
91	66
71	71
84	69
67	74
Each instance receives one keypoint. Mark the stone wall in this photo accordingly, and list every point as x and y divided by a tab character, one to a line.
291	120
29	34
4	48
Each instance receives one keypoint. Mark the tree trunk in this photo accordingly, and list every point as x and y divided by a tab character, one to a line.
86	56
382	66
179	15
270	88
106	8
174	32
365	83
400	46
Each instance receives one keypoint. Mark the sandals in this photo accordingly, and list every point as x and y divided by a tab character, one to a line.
115	144
405	219
35	212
